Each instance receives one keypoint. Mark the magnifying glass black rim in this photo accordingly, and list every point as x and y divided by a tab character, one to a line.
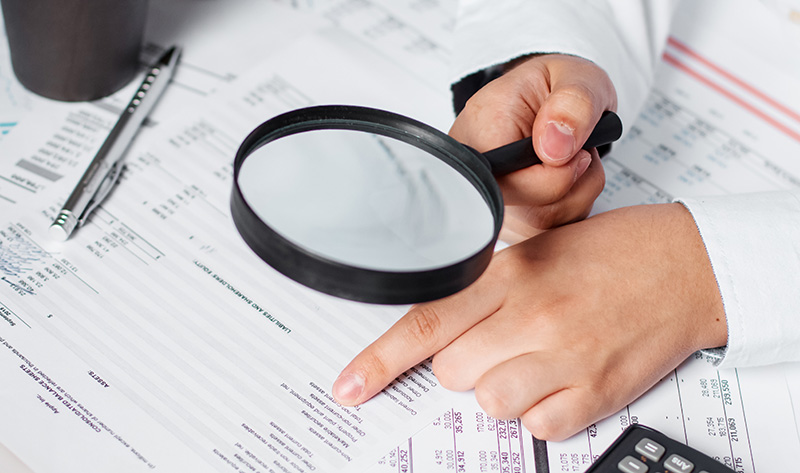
353	282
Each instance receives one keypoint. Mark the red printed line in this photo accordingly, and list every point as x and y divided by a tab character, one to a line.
670	59
744	85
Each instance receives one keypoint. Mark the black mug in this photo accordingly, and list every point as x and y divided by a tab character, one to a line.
74	50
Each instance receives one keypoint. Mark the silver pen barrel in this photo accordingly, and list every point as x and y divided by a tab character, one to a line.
94	184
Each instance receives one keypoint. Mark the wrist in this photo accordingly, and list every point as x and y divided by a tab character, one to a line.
700	281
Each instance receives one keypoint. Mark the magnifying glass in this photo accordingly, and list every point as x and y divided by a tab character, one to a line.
373	206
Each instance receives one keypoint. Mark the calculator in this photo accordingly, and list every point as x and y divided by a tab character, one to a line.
641	449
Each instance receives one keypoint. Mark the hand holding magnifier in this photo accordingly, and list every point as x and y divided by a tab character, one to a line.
373	206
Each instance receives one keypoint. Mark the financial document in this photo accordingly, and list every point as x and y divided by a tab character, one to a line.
155	340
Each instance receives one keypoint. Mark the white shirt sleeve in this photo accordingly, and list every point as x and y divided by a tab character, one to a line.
624	37
753	243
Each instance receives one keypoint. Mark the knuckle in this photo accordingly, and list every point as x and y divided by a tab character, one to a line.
454	369
597	179
543	426
478	101
604	388
544	217
493	402
578	96
488	100
445	372
424	325
580	215
554	193
595	176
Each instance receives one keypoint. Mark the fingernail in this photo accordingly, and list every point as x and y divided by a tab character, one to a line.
347	388
582	166
557	143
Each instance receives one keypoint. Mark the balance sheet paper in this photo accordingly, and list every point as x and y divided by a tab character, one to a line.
154	340
156	333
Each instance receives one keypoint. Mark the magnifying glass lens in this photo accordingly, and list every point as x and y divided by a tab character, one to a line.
374	206
365	200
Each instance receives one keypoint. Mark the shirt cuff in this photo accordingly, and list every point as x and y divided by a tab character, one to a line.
753	243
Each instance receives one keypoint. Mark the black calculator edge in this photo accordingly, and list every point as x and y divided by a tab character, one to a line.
624	435
601	466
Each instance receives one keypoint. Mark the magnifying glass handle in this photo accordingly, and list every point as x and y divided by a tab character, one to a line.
520	154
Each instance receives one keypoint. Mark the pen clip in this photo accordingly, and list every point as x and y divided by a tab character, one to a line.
102	191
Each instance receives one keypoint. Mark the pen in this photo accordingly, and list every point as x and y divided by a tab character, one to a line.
105	168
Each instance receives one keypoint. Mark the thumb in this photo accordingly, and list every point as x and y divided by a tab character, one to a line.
578	97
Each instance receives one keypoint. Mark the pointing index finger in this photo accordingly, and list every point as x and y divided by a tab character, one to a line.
423	331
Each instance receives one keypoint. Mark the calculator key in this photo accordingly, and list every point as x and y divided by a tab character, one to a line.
678	464
650	449
631	465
